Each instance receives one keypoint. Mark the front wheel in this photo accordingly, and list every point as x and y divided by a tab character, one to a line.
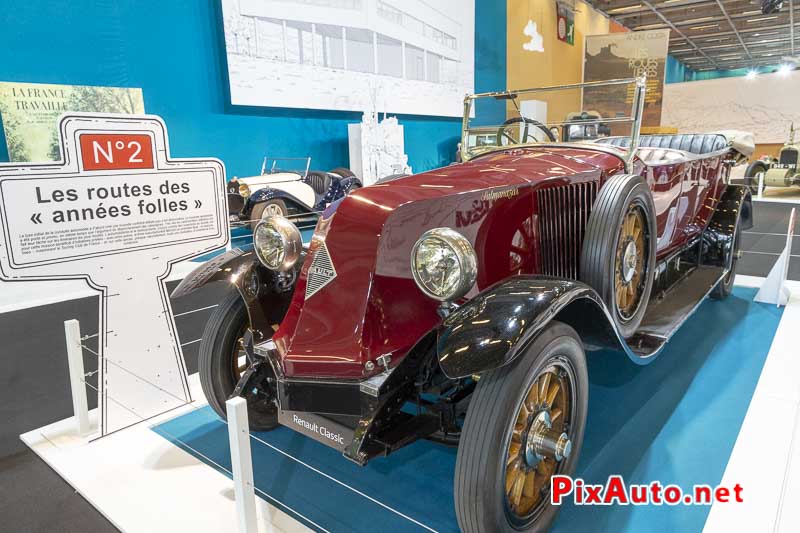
525	423
265	209
222	361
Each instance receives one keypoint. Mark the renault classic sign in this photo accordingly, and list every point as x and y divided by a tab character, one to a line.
117	212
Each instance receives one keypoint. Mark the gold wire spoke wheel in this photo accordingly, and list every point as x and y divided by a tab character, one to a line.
527	477
630	262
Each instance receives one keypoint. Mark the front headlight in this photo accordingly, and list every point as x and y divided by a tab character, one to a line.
444	264
244	190
277	243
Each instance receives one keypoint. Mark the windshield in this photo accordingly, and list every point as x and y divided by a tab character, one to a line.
298	165
565	113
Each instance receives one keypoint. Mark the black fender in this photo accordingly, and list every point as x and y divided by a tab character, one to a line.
495	327
348	183
735	206
266	294
339	188
270	193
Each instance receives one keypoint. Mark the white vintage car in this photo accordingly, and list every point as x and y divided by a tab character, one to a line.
286	187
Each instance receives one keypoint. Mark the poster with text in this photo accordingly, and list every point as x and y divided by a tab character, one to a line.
394	56
625	55
30	113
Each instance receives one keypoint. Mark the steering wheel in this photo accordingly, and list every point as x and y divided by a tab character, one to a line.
524	120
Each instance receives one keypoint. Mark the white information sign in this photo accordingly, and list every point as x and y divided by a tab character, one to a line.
117	212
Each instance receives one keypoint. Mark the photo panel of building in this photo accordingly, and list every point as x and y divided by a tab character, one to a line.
399	56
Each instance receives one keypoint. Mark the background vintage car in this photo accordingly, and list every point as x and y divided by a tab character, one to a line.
780	172
283	190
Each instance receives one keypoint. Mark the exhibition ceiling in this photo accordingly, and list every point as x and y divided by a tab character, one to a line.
715	34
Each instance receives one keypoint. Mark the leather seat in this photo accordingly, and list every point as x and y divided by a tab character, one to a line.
696	143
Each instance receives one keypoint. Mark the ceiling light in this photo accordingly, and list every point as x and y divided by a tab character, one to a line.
784	69
751	74
704	27
693	21
649	26
623	9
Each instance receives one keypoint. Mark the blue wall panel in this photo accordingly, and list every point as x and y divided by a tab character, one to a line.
174	50
677	72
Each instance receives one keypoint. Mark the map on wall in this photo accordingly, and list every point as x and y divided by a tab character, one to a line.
401	56
765	106
626	55
30	113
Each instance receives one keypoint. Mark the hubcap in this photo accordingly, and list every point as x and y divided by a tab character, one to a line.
272	209
539	441
629	262
544	441
630	276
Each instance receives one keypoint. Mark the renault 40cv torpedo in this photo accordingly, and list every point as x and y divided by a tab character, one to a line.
461	304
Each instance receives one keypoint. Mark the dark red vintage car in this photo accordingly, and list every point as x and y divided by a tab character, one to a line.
459	304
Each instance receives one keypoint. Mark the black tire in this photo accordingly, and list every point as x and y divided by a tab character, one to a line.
750	175
258	210
217	349
479	486
725	286
600	255
343	172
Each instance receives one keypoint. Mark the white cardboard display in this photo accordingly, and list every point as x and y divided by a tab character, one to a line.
117	212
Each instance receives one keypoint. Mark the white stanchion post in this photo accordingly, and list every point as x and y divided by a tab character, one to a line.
72	334
242	464
760	185
774	289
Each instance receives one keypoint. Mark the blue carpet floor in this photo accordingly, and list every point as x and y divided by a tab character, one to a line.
675	421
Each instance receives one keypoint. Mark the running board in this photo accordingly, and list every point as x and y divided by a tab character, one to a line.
666	314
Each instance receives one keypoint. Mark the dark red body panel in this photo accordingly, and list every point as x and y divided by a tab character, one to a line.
522	209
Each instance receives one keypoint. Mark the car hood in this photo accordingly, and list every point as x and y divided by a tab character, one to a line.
267	179
356	300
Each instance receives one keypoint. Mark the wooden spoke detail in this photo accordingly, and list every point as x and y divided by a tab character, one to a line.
630	268
526	484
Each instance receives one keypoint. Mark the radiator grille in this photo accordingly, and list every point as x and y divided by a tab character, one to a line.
563	215
321	272
788	156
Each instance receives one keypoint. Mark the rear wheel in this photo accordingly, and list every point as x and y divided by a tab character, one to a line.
751	175
222	361
343	172
619	250
725	286
265	209
525	423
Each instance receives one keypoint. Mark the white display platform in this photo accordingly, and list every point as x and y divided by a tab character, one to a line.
141	482
765	460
